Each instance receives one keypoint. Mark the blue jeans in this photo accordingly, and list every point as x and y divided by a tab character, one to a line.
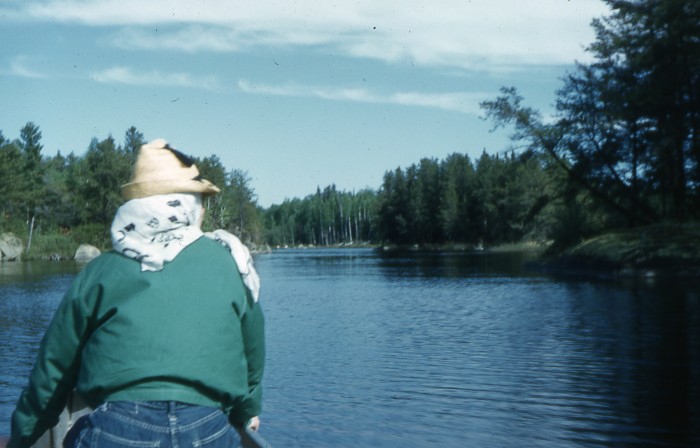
152	424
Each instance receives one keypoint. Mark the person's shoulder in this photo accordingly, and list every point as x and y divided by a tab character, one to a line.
213	246
108	268
109	261
212	252
108	257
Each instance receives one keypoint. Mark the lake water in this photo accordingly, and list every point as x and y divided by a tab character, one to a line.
450	350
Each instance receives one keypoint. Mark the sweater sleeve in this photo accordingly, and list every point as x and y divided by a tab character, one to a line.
54	374
253	329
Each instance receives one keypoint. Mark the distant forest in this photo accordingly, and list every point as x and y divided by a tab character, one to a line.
623	150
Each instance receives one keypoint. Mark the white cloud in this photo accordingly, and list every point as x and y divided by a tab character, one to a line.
125	75
19	66
189	39
462	33
193	37
453	101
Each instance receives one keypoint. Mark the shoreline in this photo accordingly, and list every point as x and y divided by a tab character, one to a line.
663	250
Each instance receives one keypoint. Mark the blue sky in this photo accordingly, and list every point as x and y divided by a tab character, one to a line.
299	94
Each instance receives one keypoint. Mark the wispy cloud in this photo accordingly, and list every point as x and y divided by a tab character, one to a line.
20	66
126	75
462	102
467	34
216	38
190	39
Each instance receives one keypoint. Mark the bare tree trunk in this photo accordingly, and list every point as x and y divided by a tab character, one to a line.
31	232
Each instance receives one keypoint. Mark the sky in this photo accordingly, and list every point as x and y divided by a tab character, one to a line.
298	94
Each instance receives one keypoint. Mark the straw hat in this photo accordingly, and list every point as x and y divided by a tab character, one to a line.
161	169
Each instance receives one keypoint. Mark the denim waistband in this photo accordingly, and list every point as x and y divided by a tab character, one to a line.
155	405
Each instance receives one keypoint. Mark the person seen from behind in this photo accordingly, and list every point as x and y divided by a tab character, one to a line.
163	337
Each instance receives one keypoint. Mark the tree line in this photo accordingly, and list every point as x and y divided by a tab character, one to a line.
497	199
328	217
72	199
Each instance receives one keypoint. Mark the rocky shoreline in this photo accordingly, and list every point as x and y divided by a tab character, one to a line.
12	248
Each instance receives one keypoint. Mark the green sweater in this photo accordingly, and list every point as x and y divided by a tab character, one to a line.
188	333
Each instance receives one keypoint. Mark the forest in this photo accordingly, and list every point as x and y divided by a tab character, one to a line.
622	150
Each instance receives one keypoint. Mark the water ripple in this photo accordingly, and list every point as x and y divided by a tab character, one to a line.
453	351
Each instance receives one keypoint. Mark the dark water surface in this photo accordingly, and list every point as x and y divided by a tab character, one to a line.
450	350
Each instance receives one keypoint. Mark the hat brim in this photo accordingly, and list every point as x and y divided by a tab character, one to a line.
135	190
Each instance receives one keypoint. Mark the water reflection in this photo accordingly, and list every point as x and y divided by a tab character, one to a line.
454	264
644	344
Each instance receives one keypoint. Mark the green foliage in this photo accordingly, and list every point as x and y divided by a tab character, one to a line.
95	181
212	169
94	234
234	208
133	140
33	170
12	182
394	212
30	142
459	213
329	217
628	124
498	200
72	200
61	243
51	246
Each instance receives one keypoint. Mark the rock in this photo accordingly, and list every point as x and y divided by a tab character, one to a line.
86	252
11	247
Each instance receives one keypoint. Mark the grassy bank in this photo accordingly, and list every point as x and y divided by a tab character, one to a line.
60	245
664	249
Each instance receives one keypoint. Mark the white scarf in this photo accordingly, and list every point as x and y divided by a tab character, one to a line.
155	229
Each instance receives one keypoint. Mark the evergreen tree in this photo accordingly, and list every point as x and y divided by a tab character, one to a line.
429	197
217	210
394	208
628	122
30	144
96	181
235	208
244	217
61	206
12	178
458	198
133	140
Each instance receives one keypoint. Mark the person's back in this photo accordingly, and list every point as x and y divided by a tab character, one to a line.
164	336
